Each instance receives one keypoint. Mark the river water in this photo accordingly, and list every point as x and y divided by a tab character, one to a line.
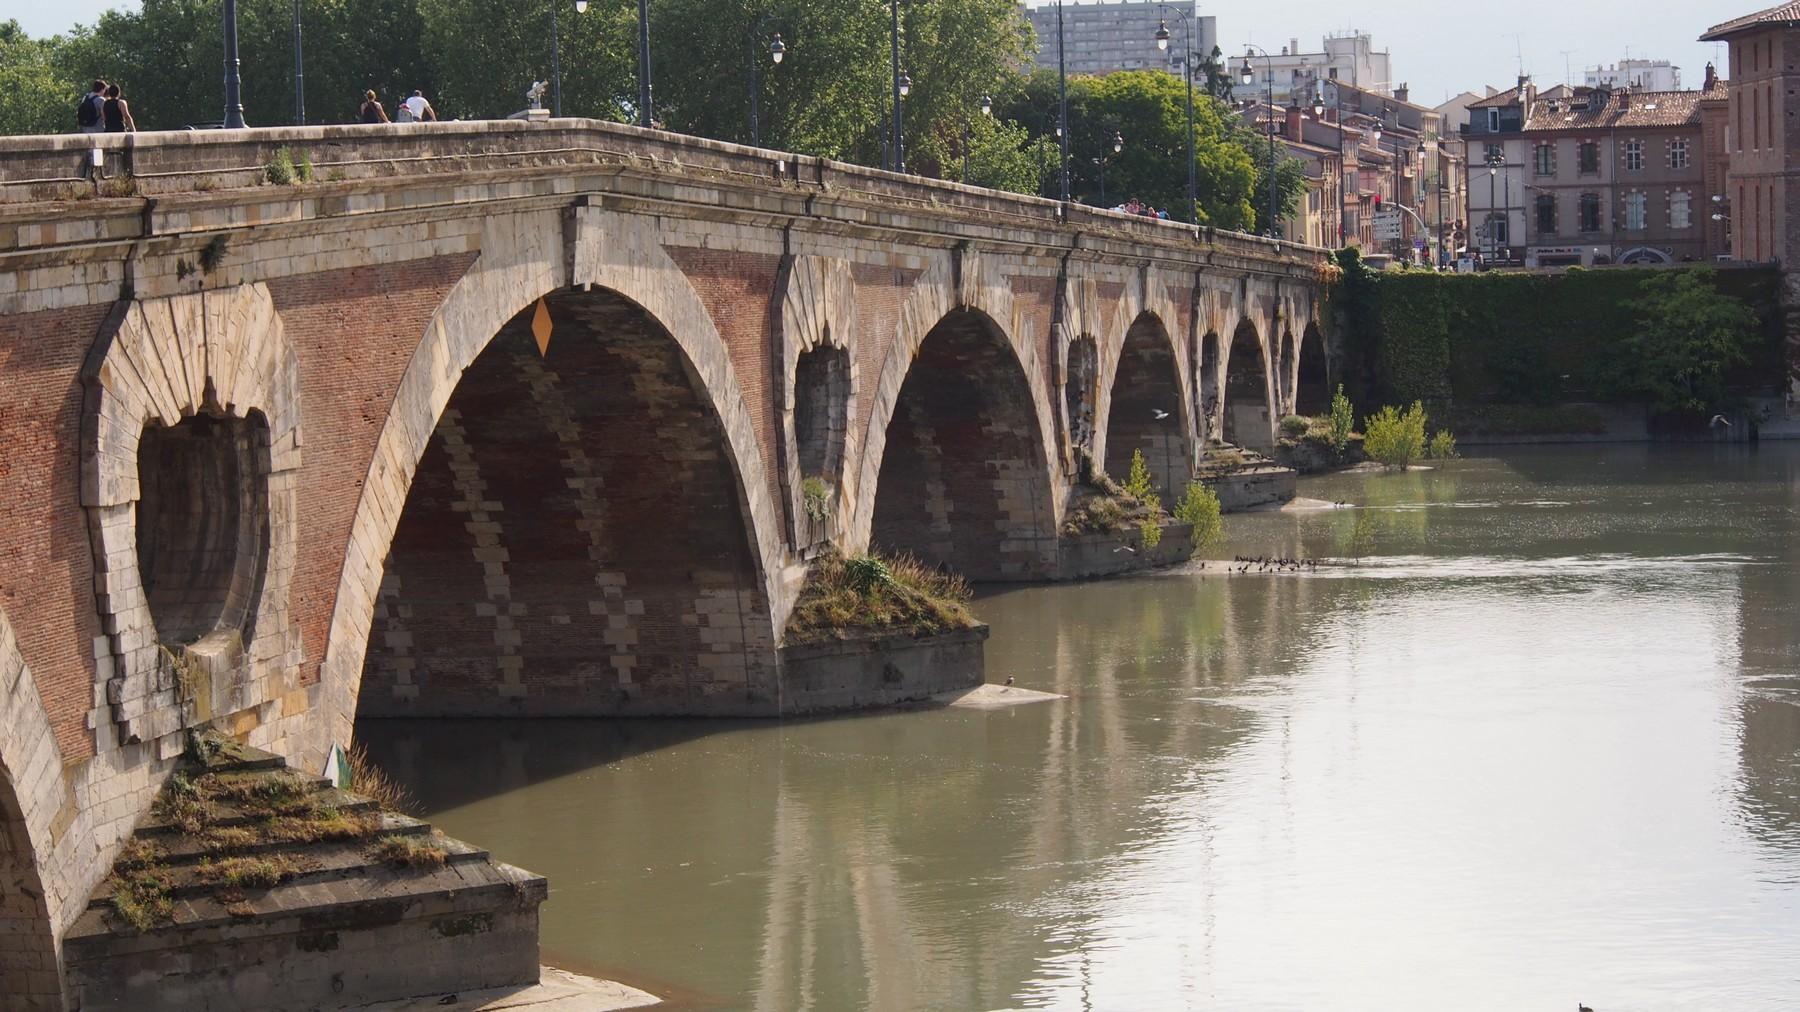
1539	743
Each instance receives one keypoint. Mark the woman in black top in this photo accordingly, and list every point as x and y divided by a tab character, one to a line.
116	113
372	112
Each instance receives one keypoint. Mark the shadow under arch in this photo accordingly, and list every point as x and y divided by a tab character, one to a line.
1147	411
964	480
1312	387
574	539
523	257
1209	388
1248	418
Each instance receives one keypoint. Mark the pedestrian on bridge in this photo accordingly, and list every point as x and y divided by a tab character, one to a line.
371	111
117	113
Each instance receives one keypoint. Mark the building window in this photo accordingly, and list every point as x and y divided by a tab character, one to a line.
1678	153
1493	121
1590	212
1681	210
1546	214
1635	206
1495	154
1587	161
1501	229
1634	155
1544	157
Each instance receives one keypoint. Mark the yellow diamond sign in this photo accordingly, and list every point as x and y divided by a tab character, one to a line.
540	327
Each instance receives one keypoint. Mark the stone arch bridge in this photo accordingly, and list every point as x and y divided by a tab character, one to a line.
537	419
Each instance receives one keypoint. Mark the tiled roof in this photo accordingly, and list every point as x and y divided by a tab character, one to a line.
1780	14
1642	109
1504	98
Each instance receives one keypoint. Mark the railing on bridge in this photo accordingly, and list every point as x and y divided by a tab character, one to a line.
106	168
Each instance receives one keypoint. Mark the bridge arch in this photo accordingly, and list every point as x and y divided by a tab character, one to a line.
621	310
958	419
1248	406
1312	384
1146	408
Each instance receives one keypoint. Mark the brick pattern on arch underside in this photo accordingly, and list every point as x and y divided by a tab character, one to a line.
963	483
1147	383
573	541
28	977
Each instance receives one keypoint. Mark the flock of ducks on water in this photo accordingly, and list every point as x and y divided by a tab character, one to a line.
1264	564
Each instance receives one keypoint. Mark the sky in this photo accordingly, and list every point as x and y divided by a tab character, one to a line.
1439	47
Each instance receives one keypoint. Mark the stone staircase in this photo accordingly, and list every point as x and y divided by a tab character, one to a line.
250	885
1245	479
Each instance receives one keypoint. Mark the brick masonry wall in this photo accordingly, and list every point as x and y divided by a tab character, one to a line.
354	331
573	540
46	565
962	482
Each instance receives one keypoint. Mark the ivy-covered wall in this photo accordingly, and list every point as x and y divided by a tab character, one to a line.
1517	338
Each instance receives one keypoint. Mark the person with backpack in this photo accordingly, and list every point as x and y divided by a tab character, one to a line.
371	111
116	113
88	114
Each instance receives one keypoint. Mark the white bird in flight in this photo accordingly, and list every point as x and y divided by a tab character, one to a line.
1158	413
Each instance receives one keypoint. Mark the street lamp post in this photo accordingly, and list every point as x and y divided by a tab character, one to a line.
1062	101
556	59
899	162
644	119
299	73
1495	160
1118	145
1248	73
1187	71
234	102
987	109
777	50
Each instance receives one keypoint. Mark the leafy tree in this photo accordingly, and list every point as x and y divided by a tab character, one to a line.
484	55
1394	437
1149	110
1689	337
1343	418
1216	72
34	98
1199	506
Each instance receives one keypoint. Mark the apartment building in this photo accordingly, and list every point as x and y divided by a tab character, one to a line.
1349	58
1100	38
1763	173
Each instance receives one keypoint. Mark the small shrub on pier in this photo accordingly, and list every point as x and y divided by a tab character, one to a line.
409	852
1393	437
870	594
280	169
1295	426
372	782
815	499
1199	506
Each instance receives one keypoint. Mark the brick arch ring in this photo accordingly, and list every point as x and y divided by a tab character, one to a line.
960	280
818	309
34	900
221	353
524	257
1146	295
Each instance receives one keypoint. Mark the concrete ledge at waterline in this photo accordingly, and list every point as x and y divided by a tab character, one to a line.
993	697
555	991
1087	556
879	671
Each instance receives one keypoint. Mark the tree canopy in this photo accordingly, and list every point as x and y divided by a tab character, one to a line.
830	96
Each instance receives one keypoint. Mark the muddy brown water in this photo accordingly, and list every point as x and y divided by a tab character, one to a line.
1530	736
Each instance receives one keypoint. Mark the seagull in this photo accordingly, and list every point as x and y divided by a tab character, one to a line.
1718	420
1158	414
1124	548
1579	1007
1009	679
